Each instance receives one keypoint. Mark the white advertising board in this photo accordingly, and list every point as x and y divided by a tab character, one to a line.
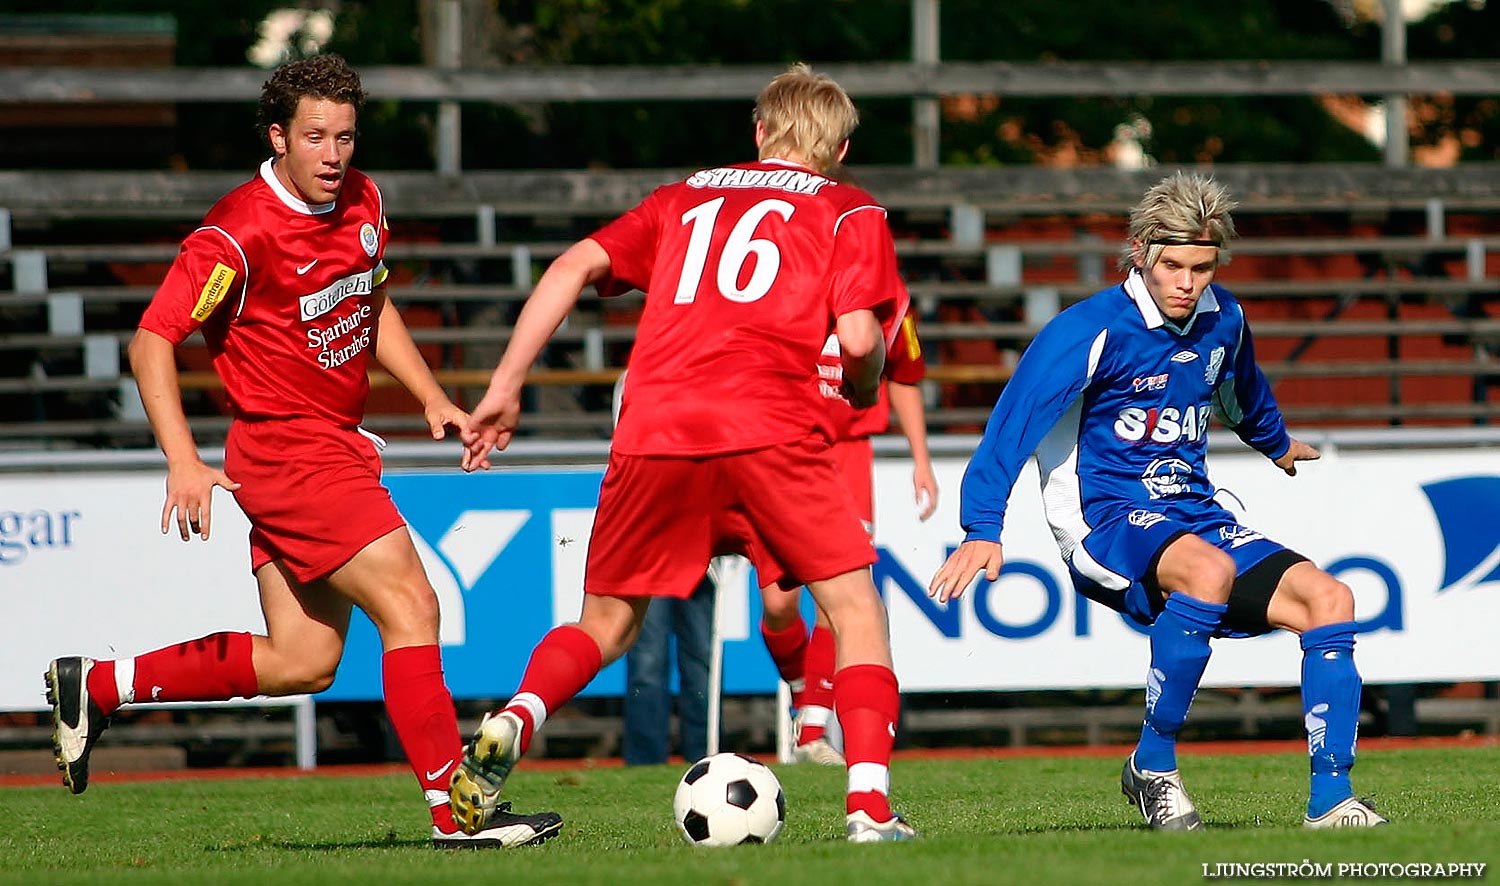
85	570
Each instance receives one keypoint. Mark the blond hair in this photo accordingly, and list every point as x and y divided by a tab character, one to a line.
1185	208
807	116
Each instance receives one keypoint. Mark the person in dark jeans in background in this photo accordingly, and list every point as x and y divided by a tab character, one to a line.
648	697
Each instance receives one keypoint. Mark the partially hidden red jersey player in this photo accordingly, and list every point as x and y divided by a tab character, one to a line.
905	367
747	269
805	660
284	279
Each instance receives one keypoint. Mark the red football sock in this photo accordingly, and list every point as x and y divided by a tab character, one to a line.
818	679
869	702
421	710
213	668
101	687
561	665
787	647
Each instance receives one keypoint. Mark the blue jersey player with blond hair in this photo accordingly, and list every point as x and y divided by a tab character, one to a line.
1113	398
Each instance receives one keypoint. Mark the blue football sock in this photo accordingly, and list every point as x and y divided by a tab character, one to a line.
1330	703
1179	653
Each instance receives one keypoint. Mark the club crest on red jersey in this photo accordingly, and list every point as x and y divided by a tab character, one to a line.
369	239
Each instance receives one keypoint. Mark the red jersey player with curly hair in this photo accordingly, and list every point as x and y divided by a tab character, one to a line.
285	279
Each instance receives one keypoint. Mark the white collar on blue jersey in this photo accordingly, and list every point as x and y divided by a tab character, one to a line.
1135	287
268	175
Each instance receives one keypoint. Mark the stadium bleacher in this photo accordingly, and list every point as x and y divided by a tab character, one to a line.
1358	328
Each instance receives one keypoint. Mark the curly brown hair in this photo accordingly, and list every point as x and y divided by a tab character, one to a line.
325	76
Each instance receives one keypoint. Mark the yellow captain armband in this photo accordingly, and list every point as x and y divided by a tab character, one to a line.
909	335
212	295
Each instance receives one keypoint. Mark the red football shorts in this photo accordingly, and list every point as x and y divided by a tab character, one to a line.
740	538
661	519
311	491
856	459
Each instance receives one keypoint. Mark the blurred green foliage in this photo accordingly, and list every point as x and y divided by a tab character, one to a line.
976	130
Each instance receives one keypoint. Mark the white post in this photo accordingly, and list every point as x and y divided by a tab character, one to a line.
520	267
1042	304
924	50
64	312
484	224
130	407
1475	260
783	722
1393	52
717	574
593	348
1002	265
306	719
967	224
101	356
450	57
28	269
1437	218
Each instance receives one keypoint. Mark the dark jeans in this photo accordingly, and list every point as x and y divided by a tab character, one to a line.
648	701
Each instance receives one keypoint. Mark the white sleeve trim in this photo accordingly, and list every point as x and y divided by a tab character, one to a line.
840	220
245	283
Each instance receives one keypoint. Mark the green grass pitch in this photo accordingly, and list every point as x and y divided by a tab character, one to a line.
1022	820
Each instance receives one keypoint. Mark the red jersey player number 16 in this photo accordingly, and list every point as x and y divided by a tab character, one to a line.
747	269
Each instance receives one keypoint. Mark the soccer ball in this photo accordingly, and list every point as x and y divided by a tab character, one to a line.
728	799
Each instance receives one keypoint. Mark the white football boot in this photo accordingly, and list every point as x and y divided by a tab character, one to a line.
859	827
474	790
1161	798
820	750
1351	813
506	829
76	720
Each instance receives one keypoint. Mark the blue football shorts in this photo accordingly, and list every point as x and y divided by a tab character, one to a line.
1116	563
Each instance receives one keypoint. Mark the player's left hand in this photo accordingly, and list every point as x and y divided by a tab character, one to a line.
967	561
444	415
925	485
1297	451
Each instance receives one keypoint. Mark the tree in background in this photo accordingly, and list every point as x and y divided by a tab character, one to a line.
1177	129
1456	128
977	129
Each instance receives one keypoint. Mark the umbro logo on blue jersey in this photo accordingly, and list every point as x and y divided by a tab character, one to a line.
1184	357
1466	509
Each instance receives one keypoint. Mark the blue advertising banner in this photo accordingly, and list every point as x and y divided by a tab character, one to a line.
1413	534
505	552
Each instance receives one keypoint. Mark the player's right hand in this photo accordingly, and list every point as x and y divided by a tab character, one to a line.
190	496
492	425
1296	451
857	398
967	561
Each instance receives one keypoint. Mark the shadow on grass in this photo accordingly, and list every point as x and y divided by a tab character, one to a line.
389	841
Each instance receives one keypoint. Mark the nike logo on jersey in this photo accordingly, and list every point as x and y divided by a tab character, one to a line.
308	267
439	773
1184	357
